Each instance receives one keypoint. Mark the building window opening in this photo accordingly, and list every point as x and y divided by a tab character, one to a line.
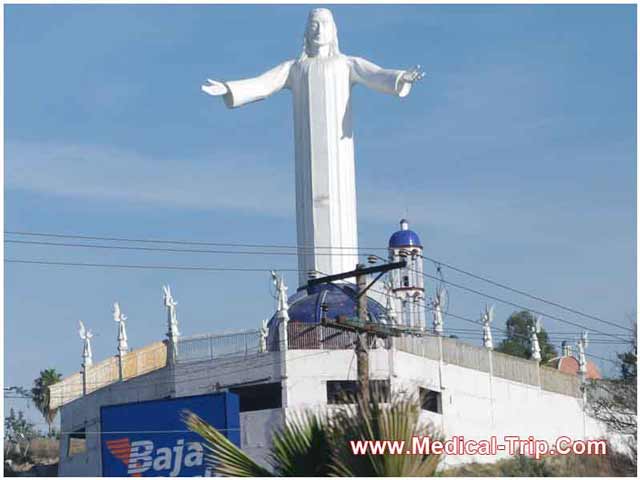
263	396
342	392
431	400
77	442
405	281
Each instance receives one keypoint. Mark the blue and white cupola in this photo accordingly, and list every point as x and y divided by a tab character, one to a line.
407	284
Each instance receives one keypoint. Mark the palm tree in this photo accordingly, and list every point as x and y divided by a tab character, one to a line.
40	394
317	444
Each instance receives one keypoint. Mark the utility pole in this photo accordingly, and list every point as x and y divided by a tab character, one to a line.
361	326
362	339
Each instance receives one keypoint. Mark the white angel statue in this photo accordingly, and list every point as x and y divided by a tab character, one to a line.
120	318
86	335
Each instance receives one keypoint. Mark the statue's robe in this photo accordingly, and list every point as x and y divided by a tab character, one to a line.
325	172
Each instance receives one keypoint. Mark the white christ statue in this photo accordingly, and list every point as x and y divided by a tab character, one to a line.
321	80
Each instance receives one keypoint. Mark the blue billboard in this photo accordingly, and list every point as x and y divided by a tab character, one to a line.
150	439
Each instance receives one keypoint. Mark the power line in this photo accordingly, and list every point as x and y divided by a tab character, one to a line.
298	248
521	336
175	250
429	308
423	303
551	333
506	334
198	268
186	242
440	278
602	358
507	302
521	292
219	269
150	267
225	269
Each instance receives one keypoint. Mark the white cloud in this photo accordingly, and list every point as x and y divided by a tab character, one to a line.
227	180
249	183
257	184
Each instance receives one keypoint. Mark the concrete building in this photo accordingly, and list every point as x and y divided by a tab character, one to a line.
466	390
296	363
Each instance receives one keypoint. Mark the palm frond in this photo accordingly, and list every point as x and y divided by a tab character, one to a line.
318	444
303	447
398	420
224	457
41	395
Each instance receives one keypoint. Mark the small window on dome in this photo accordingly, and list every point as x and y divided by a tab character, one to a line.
405	281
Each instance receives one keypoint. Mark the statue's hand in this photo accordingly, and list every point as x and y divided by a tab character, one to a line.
214	88
413	75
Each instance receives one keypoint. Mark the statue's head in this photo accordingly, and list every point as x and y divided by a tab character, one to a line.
321	31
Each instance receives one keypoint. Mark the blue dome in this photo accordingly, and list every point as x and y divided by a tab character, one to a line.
404	237
305	306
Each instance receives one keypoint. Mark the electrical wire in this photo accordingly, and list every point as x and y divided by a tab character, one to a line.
177	250
185	242
428	307
268	270
441	279
521	292
438	263
507	302
151	267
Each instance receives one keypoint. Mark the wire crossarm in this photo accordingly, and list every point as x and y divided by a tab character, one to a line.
378	329
354	273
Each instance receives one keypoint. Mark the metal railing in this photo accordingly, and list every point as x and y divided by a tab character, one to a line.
210	346
313	336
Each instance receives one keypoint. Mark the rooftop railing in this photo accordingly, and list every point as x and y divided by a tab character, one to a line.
304	336
208	347
314	336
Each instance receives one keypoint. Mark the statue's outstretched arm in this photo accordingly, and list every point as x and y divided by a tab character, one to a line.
396	82
215	88
240	92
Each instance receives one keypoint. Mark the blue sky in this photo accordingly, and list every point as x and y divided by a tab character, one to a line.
514	158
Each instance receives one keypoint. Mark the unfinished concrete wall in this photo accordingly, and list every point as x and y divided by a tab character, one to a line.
560	382
465	355
503	366
427	347
135	363
516	369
